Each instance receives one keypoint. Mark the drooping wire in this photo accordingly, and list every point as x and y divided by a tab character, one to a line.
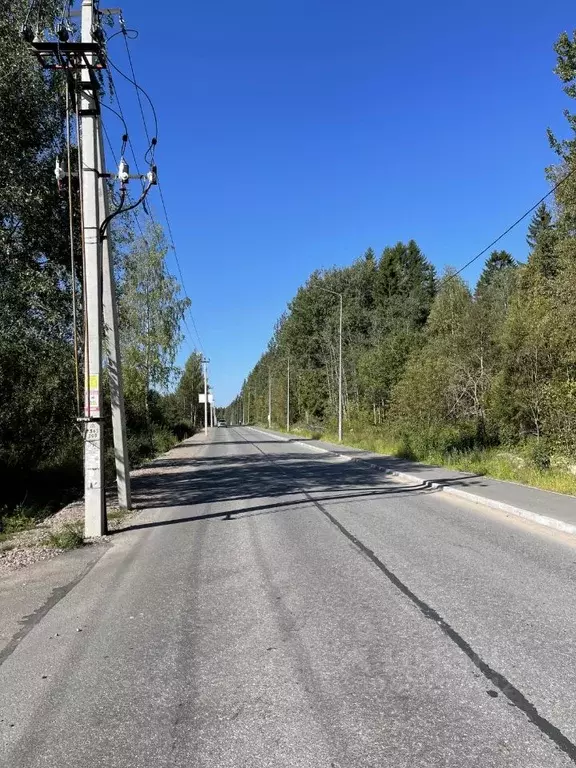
177	260
512	226
149	158
141	90
113	153
151	143
118	115
132	34
168	225
72	253
145	239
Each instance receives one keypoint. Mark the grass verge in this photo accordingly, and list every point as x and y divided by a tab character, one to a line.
70	536
511	464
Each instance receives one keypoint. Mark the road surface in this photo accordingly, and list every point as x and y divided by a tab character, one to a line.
277	606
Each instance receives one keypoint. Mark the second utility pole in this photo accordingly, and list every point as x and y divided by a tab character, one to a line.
269	398
110	308
95	503
288	397
340	414
205	396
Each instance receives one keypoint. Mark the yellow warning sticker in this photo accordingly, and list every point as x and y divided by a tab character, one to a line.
93	381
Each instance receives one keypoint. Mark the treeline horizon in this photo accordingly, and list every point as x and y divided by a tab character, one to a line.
429	361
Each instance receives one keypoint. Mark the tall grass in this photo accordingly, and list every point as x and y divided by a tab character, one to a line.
518	464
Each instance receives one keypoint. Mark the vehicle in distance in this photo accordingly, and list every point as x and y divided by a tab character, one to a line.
221	423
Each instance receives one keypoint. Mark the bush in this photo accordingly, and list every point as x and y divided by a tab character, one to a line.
405	450
163	439
182	430
538	453
21	519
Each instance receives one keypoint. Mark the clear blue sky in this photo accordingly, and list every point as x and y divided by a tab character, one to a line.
295	135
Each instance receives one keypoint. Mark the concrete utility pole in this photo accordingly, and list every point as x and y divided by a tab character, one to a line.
110	309
288	397
95	502
269	398
86	58
205	363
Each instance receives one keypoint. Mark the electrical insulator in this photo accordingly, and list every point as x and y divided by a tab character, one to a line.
37	37
98	34
60	173
123	171
152	176
62	34
27	33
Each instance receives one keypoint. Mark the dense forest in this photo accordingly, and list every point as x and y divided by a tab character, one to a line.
435	369
40	441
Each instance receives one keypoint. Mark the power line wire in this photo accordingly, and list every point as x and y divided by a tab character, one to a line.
151	143
141	90
125	36
177	260
142	234
515	224
121	116
118	115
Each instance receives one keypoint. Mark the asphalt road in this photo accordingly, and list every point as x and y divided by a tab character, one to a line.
276	606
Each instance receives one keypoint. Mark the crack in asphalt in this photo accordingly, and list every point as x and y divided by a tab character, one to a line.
29	622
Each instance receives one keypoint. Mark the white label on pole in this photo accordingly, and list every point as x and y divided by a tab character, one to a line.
201	398
210	398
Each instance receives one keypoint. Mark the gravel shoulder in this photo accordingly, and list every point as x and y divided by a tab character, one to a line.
34	576
26	548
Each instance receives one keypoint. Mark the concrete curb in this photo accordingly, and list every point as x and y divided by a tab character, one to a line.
526	514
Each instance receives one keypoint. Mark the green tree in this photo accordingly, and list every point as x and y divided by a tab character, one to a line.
405	287
37	400
151	312
498	264
541	222
191	384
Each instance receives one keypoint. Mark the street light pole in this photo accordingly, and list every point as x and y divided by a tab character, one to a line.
288	397
340	372
205	362
340	377
269	397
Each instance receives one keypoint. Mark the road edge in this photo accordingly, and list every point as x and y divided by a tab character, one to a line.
526	514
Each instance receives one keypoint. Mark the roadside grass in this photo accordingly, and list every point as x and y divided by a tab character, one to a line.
70	536
23	518
116	516
502	463
512	467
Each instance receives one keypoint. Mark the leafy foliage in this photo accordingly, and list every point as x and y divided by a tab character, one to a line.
40	446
